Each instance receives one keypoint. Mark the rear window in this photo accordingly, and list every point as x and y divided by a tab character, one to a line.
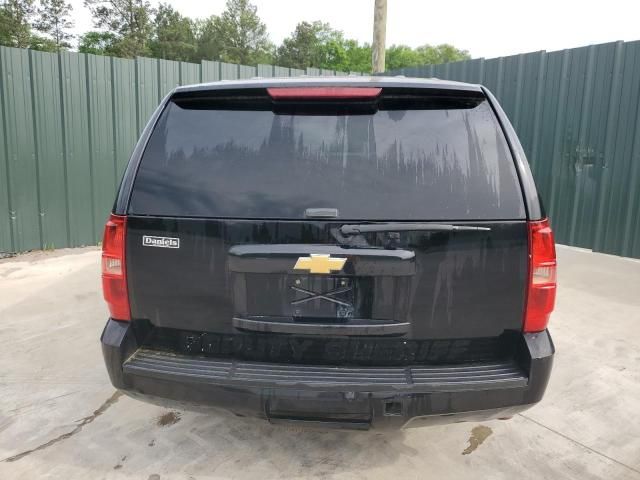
396	164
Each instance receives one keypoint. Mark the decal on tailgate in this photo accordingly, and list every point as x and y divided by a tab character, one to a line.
163	242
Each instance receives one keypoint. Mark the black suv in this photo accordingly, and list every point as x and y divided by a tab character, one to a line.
347	252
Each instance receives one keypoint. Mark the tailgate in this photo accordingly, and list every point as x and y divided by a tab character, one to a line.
224	278
236	216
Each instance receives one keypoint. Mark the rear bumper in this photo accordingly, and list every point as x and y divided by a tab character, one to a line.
353	397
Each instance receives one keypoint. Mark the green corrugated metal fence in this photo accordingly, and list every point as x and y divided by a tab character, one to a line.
68	123
577	114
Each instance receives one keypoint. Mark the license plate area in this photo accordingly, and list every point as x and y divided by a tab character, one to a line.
320	298
373	285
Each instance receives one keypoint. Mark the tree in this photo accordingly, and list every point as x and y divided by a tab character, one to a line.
332	51
55	22
5	37
443	53
173	37
300	49
15	23
208	45
98	43
318	45
44	44
240	34
358	57
128	20
312	45
400	56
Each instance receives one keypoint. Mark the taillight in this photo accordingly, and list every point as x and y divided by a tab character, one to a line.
541	293
114	274
325	93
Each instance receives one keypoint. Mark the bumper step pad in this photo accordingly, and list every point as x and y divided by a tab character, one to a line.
441	378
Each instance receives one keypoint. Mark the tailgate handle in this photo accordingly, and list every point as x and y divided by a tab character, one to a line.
357	327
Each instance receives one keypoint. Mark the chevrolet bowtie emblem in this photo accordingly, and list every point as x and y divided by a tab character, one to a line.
320	263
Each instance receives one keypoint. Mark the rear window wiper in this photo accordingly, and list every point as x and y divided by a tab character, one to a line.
356	229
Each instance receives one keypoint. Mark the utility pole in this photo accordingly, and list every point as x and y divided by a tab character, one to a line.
379	36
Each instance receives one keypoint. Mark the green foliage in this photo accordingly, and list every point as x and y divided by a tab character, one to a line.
318	45
358	57
54	21
5	37
239	35
130	28
301	49
208	45
128	20
133	28
443	53
38	42
15	23
400	56
98	43
174	35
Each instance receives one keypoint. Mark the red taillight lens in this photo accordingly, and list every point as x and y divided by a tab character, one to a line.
325	93
114	278
541	294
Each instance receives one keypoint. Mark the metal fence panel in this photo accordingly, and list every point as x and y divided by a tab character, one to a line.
189	73
49	149
210	71
245	71
228	71
168	77
125	116
77	149
22	174
577	114
619	203
147	89
281	72
265	71
6	242
101	153
68	124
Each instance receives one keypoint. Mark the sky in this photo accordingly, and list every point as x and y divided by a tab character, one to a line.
487	28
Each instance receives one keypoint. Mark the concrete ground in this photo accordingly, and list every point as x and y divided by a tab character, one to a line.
60	417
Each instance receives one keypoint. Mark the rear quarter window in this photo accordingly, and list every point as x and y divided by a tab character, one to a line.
427	164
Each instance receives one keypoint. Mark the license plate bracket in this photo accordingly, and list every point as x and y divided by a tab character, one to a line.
322	298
